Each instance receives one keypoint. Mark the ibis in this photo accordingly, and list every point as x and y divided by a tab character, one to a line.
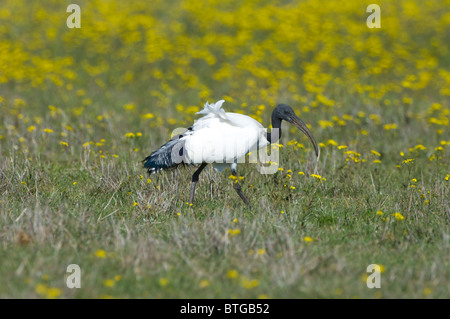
221	138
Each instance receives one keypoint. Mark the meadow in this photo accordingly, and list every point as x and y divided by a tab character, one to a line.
80	108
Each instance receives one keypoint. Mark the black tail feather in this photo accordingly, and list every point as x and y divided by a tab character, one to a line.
168	156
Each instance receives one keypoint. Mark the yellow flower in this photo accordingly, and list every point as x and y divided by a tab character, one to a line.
64	144
163	281
320	178
234	232
249	283
308	239
130	135
48	130
204	283
41	289
419	147
48	292
391	126
380	213
407	100
232	274
53	293
332	142
109	283
399	216
325	124
129	106
192	109
375	153
31	128
100	253
148	116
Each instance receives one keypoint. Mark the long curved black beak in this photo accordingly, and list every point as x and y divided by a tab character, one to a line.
302	127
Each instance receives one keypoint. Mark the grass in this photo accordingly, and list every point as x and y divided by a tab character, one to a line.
49	223
73	189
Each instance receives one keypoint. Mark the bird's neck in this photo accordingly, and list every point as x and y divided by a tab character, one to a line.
275	135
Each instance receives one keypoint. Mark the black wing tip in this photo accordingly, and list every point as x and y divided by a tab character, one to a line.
146	162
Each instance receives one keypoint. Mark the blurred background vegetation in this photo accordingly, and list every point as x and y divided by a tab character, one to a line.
80	108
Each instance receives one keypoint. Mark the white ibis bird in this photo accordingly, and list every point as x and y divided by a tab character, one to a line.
221	138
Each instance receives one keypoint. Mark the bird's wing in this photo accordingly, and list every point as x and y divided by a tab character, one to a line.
216	141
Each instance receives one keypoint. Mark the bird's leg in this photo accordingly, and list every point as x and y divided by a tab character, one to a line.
194	181
237	188
211	188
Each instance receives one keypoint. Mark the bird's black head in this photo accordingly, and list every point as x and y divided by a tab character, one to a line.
286	113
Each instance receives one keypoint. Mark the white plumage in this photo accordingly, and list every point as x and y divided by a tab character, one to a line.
222	138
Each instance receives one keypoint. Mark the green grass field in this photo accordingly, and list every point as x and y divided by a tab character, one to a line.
81	108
